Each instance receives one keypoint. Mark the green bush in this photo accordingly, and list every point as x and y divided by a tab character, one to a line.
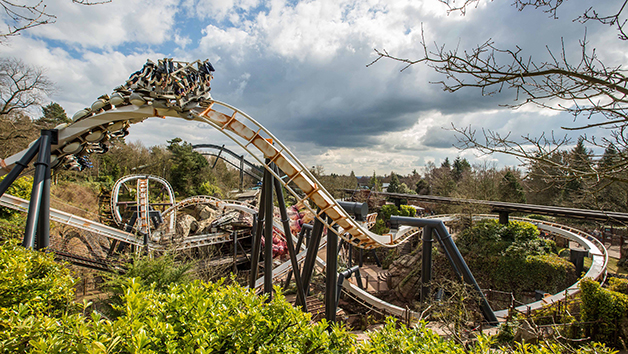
407	210
547	272
33	278
20	188
396	338
619	285
387	211
157	273
195	317
605	311
514	258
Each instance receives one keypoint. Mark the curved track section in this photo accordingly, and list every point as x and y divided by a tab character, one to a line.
147	94
115	193
256	139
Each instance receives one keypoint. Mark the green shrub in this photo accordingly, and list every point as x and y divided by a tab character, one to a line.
157	273
20	188
194	317
407	210
33	278
606	312
619	285
547	272
387	211
380	227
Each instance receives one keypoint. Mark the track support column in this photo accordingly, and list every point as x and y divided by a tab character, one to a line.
426	263
331	282
39	203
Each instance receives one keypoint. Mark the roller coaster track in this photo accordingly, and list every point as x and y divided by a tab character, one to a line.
496	206
140	98
180	90
240	158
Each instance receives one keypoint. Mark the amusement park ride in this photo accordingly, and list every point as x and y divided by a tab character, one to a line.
181	90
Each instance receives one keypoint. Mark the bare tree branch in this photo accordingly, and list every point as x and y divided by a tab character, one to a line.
21	17
21	86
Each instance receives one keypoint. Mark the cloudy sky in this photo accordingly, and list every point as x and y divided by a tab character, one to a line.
299	68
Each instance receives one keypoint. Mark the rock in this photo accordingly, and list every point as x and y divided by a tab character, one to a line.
527	333
184	225
204	212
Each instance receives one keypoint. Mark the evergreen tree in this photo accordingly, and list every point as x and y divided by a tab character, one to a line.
54	114
460	166
579	160
510	190
422	187
394	186
446	164
374	183
188	167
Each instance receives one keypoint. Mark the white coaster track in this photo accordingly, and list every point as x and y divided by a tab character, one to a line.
147	96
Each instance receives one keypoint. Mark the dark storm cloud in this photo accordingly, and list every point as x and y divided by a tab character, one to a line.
437	137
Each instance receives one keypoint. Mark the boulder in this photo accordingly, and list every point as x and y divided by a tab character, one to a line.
185	224
204	212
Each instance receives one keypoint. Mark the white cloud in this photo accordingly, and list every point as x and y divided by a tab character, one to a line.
111	24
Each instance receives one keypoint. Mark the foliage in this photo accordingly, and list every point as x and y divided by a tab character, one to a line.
419	339
21	188
388	210
33	279
156	273
510	189
396	338
394	186
407	210
374	183
606	310
547	272
193	317
380	227
514	258
619	285
207	188
53	115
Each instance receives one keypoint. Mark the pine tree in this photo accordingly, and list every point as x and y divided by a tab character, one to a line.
394	185
510	190
54	114
374	183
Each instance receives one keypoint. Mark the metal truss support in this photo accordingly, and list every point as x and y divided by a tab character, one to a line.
305	230
456	258
268	233
310	256
290	243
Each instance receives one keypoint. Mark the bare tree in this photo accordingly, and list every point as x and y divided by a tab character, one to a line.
21	17
586	88
21	86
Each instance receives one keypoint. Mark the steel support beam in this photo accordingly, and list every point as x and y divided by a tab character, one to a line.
268	233
426	263
20	166
331	282
42	165
456	257
290	243
310	256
